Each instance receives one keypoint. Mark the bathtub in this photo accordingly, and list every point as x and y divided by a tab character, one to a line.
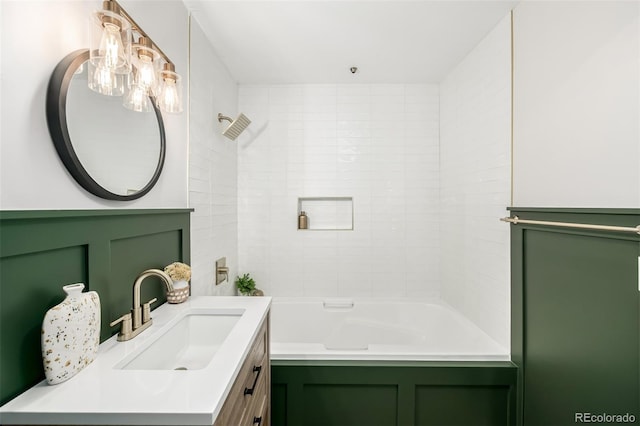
379	362
374	329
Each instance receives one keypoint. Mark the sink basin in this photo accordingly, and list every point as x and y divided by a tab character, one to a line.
190	344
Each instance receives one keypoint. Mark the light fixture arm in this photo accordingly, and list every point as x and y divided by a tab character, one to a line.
119	47
135	27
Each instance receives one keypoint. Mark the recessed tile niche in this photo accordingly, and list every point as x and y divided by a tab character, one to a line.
327	213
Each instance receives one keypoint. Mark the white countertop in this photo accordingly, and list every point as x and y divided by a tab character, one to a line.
103	394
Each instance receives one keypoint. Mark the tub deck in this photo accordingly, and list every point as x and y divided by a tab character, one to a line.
373	329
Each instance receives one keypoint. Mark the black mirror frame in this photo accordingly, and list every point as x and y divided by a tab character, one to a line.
56	107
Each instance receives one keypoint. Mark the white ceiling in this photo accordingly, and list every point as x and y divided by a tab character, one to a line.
301	41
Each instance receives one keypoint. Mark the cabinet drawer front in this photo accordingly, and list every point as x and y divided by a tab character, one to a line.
263	412
259	348
249	386
254	416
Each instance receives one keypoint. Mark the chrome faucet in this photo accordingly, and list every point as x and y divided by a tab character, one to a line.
139	319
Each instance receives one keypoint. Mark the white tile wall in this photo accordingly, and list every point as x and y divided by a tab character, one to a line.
475	140
375	143
428	168
212	168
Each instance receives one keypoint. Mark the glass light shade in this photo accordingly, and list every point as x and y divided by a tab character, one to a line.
110	42
145	61
105	81
169	92
136	98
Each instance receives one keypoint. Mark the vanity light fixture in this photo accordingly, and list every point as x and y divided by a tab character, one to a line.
120	66
110	39
104	81
169	96
142	82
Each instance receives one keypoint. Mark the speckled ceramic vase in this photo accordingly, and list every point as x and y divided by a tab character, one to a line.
70	334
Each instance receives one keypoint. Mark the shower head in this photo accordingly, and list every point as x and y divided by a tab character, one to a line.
236	127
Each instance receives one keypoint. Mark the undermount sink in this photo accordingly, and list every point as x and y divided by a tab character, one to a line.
190	344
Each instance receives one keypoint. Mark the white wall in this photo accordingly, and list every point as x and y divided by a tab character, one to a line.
36	35
213	188
375	143
576	105
475	146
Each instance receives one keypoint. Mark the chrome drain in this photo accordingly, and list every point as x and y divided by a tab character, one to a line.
181	368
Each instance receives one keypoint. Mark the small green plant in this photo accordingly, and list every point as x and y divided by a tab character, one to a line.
246	285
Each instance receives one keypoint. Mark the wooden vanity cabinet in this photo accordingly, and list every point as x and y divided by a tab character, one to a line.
248	402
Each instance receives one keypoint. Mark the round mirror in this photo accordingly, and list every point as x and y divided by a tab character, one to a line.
111	151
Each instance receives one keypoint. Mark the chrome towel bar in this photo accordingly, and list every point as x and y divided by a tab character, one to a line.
516	220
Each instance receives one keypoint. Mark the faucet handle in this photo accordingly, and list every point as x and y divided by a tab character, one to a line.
126	324
146	310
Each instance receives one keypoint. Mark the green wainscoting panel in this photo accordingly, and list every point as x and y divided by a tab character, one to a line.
462	405
131	255
27	290
380	393
41	251
279	404
576	315
350	405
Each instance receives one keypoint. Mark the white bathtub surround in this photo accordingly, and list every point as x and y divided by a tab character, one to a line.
212	168
475	175
375	143
366	329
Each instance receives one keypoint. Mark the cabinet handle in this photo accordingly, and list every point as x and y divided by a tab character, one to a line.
257	420
249	391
